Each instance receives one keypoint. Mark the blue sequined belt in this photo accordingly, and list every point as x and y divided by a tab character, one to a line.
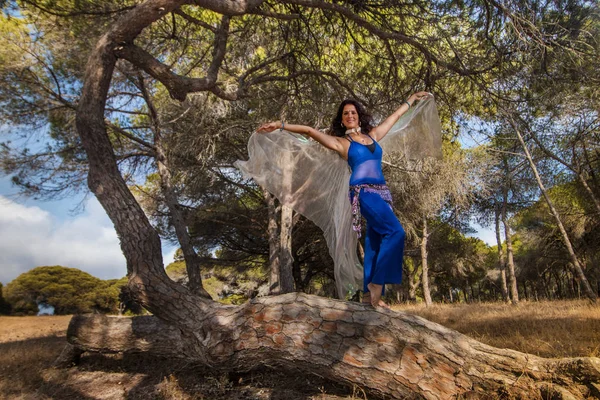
380	189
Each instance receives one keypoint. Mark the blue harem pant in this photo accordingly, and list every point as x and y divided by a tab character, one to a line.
384	241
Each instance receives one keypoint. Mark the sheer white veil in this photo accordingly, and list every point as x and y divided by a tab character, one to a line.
313	180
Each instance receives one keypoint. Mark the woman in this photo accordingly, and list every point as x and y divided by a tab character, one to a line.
356	141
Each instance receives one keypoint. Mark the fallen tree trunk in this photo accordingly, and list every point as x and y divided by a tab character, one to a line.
391	353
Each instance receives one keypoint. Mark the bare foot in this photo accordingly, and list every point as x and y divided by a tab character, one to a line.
375	291
383	305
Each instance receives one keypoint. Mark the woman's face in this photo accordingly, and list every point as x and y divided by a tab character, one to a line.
350	116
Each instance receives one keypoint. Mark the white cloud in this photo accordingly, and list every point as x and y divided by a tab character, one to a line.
31	237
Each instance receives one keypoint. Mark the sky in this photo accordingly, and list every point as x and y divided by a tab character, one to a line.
36	233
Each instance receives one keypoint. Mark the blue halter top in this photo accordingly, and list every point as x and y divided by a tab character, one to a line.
364	163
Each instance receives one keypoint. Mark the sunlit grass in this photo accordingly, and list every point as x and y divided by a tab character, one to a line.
569	328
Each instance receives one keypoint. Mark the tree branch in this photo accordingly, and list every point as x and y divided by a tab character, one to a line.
129	136
177	85
195	21
271	14
219	48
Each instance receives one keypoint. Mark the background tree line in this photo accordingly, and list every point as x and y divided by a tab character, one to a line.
64	291
515	84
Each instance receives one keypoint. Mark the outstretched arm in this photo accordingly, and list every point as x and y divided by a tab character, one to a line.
331	142
382	129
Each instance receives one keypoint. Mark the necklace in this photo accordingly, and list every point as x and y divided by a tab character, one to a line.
358	137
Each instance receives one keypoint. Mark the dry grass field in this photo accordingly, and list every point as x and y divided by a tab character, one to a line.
569	328
29	345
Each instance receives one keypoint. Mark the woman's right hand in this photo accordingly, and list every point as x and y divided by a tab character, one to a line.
269	127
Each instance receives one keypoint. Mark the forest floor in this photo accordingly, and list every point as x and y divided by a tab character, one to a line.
29	346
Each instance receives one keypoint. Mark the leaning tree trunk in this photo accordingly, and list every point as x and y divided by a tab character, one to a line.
390	353
565	237
140	243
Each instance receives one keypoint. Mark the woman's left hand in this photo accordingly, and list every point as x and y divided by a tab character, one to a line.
269	127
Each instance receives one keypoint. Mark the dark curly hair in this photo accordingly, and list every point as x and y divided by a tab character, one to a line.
366	120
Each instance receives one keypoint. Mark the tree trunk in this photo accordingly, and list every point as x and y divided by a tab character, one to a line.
565	237
274	253
297	275
393	354
514	293
589	190
192	261
425	269
501	261
559	289
286	276
139	241
571	282
465	295
413	281
546	286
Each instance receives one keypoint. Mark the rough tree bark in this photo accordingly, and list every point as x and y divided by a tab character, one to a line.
501	257
425	265
286	276
510	263
390	353
413	280
274	253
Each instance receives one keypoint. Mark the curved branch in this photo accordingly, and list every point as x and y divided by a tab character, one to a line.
177	85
